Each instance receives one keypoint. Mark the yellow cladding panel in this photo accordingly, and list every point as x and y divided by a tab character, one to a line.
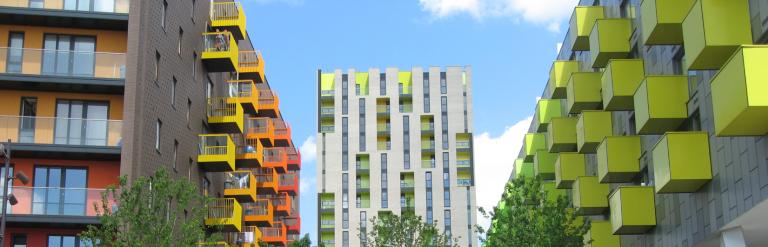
568	167
544	164
583	92
738	94
582	21
534	142
590	197
561	134
662	22
633	210
713	30
600	235
681	162
546	109
619	83
552	193
558	77
609	39
661	104
618	159
326	81
591	128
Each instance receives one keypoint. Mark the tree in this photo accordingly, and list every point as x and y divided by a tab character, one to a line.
527	217
303	242
405	230
151	212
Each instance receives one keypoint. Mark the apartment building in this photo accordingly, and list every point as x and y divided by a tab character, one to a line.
95	89
652	122
391	141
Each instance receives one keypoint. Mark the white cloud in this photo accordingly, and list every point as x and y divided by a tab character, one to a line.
308	150
494	159
306	185
548	13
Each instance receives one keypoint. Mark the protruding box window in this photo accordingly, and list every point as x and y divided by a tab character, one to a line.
633	210
662	22
583	92
681	162
561	134
590	197
713	30
618	159
558	77
568	167
619	83
661	104
738	94
544	164
609	39
582	20
591	128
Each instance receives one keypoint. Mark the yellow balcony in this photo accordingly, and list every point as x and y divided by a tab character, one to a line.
259	212
609	39
600	235
738	94
633	210
591	128
552	193
544	164
225	114
561	134
568	167
619	83
220	52
546	109
713	30
559	75
523	169
225	213
228	16
245	93
618	159
662	22
251	66
582	21
583	92
681	162
534	142
661	104
240	185
217	152
590	197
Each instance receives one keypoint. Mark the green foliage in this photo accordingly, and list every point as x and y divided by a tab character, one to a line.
529	219
151	213
303	242
405	230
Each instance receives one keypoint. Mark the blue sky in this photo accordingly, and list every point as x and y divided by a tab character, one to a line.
509	44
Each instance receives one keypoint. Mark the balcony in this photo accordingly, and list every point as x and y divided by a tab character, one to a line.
240	185
247	238
559	75
591	128
713	31
289	183
250	153
363	186
464	142
568	167
546	109
282	132
228	16
463	165
738	102
661	104
590	197
267	181
362	164
57	205
383	129
327	225
282	203
618	159
583	92
681	162
561	134
609	39
261	129
534	142
59	137
662	22
220	52
382	111
600	234
251	66
552	192
544	164
619	83
245	93
327	112
327	89
275	158
327	128
275	234
429	163
428	146
268	103
225	213
62	70
259	212
293	224
523	169
582	21
225	115
216	153
407	184
428	128
294	158
463	182
88	14
327	204
633	210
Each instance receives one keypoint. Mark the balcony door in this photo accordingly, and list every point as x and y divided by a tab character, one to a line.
15	52
28	115
69	55
81	122
59	191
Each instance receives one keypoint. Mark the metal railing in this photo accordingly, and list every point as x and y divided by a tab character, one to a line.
266	97
293	154
221	208
249	59
281	128
288	179
327	92
219	107
360	165
223	11
327	205
327	128
257	125
217	42
383	109
462	144
387	127
463	163
63	131
274	155
428	163
257	208
213	144
241	88
55	62
327	110
327	223
404	184
238	180
428	144
464	182
97	6
427	126
58	201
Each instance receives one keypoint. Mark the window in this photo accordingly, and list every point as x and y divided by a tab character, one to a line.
426	92
81	122
447	198
173	91
194	65
157	65
67	241
175	153
19	240
344	92
163	13
382	84
68	55
59	191
158	126
428	178
181	38
27	120
384	199
209	89
443	84
15	53
189	109
345	219
345	239
192	10
344	144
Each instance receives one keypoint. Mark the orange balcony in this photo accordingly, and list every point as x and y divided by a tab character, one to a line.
260	128
251	66
250	154
293	224
276	234
266	180
260	213
249	237
275	158
245	93
268	103
289	183
294	158
282	132
282	203
240	185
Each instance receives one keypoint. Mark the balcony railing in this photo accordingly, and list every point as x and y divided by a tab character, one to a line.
288	179
327	223
257	208
404	184
51	62
327	110
58	201
327	92
96	6
464	182
428	127
221	11
260	125
382	109
384	127
218	42
281	128
238	180
214	145
462	144
327	205
428	144
63	131
428	163
250	61
326	128
463	163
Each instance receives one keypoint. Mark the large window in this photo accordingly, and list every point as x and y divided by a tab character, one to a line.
68	55
59	191
81	122
15	52
67	241
27	119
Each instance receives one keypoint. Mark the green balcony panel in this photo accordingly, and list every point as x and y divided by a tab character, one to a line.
619	83
591	128
552	192
561	134
633	210
583	92
568	167
618	159
662	22
738	94
546	109
600	235
713	30
523	169
559	75
590	197
609	39
681	162
534	142
544	164
661	104
582	21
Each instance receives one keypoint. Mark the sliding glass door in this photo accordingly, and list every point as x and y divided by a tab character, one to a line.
81	122
59	191
68	55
